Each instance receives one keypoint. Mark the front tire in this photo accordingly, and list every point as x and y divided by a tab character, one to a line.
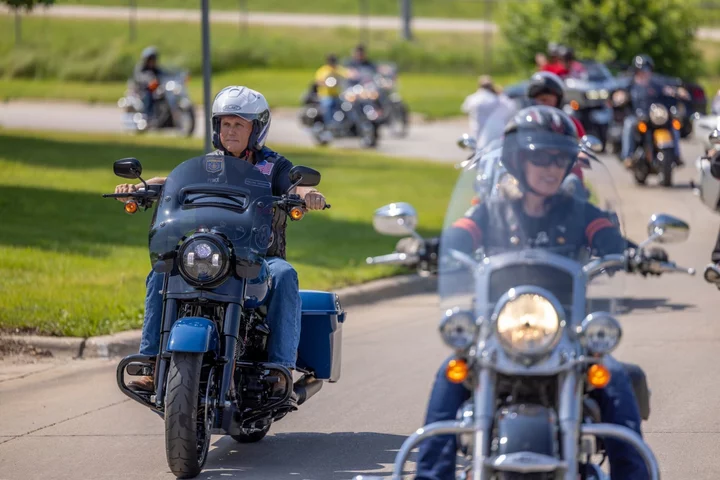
187	438
667	167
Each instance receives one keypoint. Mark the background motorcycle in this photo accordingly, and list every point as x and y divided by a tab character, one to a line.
358	115
708	186
398	115
587	99
212	375
656	142
172	109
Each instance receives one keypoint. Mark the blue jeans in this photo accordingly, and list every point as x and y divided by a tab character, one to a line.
149	103
329	106
628	137
436	457
284	310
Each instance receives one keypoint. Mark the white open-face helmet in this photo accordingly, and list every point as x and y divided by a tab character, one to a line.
245	103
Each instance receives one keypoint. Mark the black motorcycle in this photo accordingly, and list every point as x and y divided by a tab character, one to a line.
209	236
359	115
656	141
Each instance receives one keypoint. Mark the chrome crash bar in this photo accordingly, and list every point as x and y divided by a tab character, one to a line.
523	459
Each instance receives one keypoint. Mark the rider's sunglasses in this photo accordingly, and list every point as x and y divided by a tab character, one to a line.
544	158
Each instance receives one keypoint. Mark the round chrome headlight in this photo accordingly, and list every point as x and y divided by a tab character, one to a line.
458	328
528	323
204	260
600	333
659	114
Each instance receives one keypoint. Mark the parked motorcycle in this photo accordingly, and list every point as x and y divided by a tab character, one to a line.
358	116
172	108
209	235
530	329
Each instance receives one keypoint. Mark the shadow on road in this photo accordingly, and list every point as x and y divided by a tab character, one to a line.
304	456
628	305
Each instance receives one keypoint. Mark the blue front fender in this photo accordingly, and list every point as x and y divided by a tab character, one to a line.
193	335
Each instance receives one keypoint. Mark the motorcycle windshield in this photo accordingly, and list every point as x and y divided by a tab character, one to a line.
222	194
487	226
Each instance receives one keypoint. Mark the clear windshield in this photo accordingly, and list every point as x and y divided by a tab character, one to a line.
487	220
224	194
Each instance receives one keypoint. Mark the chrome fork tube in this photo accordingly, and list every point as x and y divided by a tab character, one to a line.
483	417
570	418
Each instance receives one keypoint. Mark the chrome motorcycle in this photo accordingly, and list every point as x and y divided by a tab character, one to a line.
531	328
173	109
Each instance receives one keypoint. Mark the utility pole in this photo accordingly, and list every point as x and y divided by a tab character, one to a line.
206	72
406	14
133	20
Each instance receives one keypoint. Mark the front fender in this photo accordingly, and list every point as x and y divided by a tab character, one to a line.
527	428
193	335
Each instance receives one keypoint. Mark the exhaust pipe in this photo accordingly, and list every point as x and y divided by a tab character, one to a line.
306	387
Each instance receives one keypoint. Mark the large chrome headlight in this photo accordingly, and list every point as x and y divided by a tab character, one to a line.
659	114
204	260
528	321
600	333
458	328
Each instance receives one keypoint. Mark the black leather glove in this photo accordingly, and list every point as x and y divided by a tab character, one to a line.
657	253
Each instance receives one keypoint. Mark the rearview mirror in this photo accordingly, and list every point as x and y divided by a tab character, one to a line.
128	168
304	176
592	143
667	229
714	137
395	219
466	141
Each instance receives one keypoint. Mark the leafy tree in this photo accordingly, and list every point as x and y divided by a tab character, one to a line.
607	30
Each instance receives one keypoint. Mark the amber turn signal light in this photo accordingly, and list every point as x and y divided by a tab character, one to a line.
574	105
598	376
296	213
456	370
642	127
131	206
676	124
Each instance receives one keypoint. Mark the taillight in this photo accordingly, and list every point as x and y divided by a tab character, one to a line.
698	94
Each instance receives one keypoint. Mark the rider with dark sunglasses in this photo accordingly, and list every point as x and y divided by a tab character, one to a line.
540	147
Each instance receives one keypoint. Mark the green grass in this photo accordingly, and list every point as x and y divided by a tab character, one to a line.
463	9
422	8
99	50
91	60
75	263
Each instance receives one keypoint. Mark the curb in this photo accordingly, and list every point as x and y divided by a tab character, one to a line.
127	343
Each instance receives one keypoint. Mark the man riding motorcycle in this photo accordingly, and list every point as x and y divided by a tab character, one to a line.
555	64
539	149
240	126
575	68
546	88
360	61
329	96
146	77
642	91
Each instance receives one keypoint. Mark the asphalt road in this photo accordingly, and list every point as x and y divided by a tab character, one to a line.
64	419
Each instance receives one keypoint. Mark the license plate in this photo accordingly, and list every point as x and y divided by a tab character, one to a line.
663	138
